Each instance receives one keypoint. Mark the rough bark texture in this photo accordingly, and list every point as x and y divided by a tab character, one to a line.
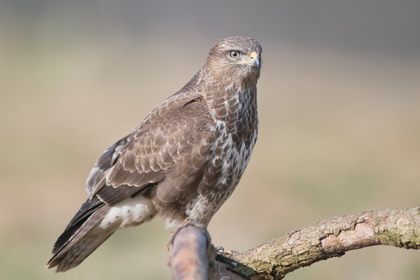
329	238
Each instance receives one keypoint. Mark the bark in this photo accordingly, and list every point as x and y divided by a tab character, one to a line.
329	238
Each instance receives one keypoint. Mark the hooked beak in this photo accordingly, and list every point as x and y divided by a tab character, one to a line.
252	59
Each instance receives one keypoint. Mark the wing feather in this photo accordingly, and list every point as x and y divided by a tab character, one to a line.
140	164
174	154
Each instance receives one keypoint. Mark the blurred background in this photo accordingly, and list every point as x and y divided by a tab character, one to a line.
339	103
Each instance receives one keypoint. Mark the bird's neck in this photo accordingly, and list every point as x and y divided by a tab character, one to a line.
235	110
233	105
229	98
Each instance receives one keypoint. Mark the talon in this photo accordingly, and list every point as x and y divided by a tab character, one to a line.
231	252
220	250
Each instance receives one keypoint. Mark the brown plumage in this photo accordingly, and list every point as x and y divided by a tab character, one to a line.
182	162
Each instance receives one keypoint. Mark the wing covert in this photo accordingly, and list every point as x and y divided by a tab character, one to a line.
172	153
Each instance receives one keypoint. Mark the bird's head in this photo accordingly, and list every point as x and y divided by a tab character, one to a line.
235	58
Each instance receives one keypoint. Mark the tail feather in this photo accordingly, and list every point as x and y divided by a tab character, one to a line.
81	237
78	222
73	256
93	224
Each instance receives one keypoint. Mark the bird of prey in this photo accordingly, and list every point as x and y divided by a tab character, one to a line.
181	163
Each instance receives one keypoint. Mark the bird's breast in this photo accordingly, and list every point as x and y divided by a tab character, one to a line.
230	158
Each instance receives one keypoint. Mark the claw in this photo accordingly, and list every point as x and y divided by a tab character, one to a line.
220	250
230	252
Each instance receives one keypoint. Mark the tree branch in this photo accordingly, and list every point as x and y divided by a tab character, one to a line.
329	238
190	251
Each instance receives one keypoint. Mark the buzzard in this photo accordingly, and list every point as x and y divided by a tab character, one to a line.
181	163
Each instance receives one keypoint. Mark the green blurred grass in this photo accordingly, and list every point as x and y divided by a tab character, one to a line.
340	134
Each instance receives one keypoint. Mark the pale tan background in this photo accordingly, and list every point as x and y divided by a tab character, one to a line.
339	101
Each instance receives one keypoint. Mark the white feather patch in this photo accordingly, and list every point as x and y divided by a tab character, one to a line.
130	212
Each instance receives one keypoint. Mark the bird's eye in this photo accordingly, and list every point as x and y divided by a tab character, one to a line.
234	54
